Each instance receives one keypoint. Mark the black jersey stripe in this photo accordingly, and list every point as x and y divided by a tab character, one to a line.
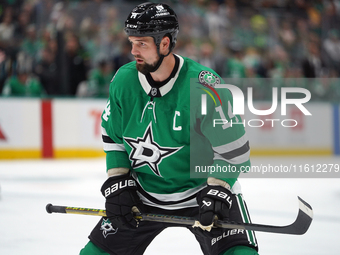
237	152
107	139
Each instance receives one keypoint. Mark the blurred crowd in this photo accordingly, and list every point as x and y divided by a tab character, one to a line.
74	47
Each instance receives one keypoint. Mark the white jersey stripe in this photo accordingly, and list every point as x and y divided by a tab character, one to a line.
175	196
165	89
186	204
243	219
113	147
246	219
237	160
104	131
231	146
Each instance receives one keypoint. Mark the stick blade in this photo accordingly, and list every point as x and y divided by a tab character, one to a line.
305	207
298	227
304	218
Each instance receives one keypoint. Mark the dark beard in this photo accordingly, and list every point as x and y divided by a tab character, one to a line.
146	68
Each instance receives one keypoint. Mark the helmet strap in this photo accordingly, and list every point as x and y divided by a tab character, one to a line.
161	57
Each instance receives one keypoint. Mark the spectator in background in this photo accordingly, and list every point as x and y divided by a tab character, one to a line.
32	45
312	64
330	17
216	24
47	72
251	59
3	68
228	12
243	33
74	63
280	30
287	36
99	81
7	28
7	42
88	33
124	57
21	24
331	46
112	36
206	57
313	67
189	50
279	63
234	67
23	84
259	25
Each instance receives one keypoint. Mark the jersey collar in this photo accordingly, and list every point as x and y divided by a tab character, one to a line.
163	90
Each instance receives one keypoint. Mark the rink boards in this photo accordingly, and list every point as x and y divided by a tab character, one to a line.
67	128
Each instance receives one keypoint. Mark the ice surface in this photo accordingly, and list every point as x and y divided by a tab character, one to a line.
28	185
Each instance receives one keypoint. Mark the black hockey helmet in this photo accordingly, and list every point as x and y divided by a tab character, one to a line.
155	20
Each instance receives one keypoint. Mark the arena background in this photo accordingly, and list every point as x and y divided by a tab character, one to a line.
50	141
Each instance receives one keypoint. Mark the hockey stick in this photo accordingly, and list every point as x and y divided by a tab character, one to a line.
298	227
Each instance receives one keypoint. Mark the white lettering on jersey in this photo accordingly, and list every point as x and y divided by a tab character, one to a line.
107	111
177	113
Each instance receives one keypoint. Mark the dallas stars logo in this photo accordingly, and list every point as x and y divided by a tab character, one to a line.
107	228
206	77
145	151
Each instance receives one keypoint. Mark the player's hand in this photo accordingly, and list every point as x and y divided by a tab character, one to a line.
121	199
213	201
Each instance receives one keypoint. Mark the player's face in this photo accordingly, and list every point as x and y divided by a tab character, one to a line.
145	52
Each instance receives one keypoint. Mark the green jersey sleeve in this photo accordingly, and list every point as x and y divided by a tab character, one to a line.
227	137
116	155
223	130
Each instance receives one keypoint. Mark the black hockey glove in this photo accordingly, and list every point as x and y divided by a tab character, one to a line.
121	196
213	201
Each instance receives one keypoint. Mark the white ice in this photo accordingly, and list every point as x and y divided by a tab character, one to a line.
28	185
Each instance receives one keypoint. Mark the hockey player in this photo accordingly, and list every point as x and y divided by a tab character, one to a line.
152	127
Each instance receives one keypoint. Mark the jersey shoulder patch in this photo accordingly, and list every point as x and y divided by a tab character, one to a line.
208	78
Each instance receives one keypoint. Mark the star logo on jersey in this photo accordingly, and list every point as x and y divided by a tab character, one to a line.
145	151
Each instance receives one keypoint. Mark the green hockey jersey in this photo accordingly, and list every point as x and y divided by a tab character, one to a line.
163	136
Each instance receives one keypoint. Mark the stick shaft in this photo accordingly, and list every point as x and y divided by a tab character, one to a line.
75	210
298	227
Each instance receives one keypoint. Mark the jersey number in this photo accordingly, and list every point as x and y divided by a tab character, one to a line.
107	112
230	115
